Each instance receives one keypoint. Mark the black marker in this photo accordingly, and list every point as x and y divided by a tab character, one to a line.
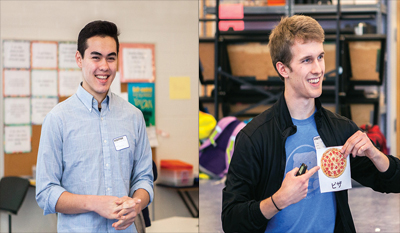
302	169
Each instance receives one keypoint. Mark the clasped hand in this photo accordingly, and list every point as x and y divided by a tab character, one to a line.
128	208
124	209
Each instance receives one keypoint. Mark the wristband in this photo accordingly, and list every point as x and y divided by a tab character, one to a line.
275	204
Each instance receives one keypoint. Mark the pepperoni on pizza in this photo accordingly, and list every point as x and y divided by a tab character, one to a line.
333	163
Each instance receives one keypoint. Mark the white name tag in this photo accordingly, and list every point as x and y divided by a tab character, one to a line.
318	143
121	143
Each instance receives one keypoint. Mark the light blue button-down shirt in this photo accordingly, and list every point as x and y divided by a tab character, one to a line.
83	151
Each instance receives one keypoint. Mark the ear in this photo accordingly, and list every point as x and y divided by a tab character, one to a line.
78	59
282	69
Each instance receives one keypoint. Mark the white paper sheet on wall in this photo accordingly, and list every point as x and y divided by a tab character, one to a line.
40	108
66	55
44	55
17	83
17	54
138	63
17	110
116	84
152	135
44	83
17	139
69	81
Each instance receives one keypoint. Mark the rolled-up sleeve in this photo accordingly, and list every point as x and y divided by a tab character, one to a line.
49	165
142	175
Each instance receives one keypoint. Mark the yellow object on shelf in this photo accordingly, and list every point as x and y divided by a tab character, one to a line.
207	124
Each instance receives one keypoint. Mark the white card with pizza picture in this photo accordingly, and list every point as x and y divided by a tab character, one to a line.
334	173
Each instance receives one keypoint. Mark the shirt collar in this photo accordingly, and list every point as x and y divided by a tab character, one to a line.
284	118
89	101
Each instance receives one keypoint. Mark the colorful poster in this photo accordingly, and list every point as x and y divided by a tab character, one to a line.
142	95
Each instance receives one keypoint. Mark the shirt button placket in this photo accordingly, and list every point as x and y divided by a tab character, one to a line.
106	154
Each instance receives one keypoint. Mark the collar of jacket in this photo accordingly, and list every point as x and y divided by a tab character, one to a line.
284	120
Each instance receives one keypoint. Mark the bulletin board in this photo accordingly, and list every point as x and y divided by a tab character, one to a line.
43	73
20	164
36	76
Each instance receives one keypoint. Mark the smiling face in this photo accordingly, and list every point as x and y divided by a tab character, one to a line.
99	65
303	80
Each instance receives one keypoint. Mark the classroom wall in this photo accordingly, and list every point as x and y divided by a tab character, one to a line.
171	25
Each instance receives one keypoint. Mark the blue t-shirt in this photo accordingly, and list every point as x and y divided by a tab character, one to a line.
317	211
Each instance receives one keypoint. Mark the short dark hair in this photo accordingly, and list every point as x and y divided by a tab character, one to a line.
97	28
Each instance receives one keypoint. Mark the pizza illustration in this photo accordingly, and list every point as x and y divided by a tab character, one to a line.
333	163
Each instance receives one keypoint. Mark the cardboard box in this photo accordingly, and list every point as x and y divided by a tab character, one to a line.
206	53
362	113
365	2
344	2
364	60
252	60
176	173
330	57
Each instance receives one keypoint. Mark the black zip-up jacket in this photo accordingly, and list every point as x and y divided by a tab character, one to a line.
258	164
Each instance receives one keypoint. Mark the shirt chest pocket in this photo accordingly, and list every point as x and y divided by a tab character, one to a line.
125	158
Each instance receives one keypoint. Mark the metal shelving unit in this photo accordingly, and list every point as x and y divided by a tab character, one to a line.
337	16
378	8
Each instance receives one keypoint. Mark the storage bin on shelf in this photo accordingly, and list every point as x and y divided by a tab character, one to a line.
176	173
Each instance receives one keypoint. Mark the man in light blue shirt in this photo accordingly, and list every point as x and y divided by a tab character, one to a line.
94	165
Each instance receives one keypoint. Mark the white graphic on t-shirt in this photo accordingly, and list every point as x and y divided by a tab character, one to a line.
310	159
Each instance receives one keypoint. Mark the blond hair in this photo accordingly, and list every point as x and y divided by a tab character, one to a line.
289	29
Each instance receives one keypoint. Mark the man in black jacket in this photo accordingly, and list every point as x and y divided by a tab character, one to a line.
263	193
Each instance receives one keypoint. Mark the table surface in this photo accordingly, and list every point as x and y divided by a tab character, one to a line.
174	224
371	211
193	187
